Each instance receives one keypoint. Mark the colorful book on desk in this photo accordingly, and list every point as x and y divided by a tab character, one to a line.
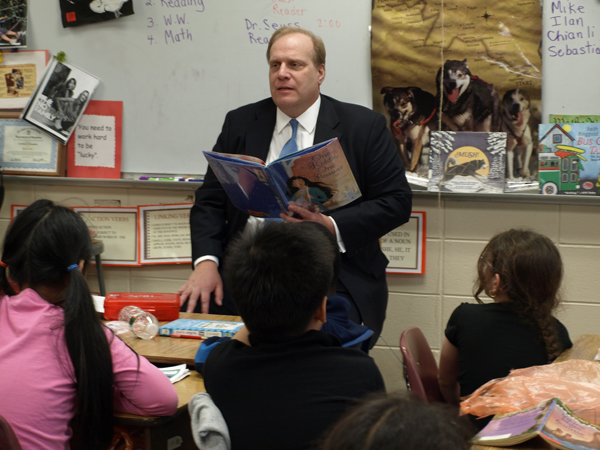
317	178
194	328
551	420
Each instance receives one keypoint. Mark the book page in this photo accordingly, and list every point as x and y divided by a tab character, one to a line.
514	427
318	179
564	428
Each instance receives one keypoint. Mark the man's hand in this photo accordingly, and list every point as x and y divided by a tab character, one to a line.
305	214
203	281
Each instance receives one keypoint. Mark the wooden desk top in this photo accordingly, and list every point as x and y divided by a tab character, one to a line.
168	350
585	347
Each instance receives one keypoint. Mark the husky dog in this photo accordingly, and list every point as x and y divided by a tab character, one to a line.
468	102
515	121
411	112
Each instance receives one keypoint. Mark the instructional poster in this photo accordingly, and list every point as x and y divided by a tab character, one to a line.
117	229
165	232
404	247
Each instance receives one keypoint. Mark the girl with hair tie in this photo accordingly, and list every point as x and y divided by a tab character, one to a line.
62	373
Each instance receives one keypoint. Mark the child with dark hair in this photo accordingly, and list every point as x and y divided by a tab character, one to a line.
396	422
62	373
281	381
521	271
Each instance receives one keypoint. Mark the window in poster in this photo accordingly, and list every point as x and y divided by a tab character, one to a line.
26	150
60	99
116	227
404	247
20	73
165	234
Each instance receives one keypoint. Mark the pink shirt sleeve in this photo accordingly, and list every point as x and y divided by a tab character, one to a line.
139	386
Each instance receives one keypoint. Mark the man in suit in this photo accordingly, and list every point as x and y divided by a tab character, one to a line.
296	70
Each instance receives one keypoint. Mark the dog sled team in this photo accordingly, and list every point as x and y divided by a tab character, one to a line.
464	102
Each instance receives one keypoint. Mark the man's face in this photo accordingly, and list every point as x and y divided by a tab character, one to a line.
293	76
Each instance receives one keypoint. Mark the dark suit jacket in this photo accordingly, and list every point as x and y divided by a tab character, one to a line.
385	203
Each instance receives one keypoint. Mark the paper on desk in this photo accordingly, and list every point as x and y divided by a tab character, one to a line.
176	373
597	357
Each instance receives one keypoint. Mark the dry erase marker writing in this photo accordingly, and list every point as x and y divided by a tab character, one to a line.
186	336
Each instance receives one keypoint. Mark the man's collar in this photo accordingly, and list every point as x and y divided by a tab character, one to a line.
308	119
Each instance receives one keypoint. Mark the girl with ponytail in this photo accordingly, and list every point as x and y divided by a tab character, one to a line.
521	271
62	373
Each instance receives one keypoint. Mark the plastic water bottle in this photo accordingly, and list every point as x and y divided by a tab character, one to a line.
142	323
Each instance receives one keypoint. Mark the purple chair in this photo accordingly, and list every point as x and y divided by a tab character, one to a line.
420	367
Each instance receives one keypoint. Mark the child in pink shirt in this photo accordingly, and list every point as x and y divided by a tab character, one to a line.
62	373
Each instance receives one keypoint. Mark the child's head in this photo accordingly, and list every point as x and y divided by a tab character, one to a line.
40	245
528	265
392	421
523	269
279	276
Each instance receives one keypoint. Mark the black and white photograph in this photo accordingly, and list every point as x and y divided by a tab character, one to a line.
60	99
13	24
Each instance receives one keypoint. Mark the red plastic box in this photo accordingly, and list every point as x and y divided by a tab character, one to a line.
163	306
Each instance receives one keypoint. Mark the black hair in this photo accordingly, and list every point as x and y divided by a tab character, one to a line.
311	184
279	275
531	270
39	246
393	421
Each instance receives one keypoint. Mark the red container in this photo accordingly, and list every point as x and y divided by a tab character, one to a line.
163	306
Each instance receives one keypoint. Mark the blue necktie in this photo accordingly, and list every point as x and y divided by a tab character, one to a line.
291	146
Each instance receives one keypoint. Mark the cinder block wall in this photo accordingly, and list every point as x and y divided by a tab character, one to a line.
458	228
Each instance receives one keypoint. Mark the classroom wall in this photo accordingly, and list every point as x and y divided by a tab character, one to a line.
457	231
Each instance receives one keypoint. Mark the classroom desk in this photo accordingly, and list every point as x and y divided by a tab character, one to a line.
168	350
585	347
173	431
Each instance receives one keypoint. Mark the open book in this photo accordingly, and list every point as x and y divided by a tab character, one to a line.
551	420
317	178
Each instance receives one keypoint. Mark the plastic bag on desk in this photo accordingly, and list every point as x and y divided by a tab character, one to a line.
575	382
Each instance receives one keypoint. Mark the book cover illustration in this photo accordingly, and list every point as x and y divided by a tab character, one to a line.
13	24
569	158
60	99
467	162
200	328
318	178
79	12
551	420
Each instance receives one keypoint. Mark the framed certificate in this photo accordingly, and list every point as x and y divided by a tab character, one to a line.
27	150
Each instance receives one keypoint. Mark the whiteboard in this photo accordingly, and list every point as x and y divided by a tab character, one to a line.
571	57
180	65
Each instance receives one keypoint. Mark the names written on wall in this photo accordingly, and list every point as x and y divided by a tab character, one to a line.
570	31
